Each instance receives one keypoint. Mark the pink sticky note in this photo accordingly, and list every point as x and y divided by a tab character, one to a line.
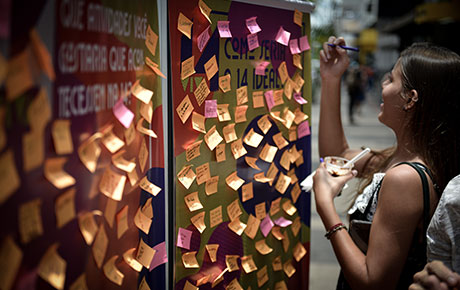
210	109
283	36
299	99
269	99
260	68
183	238
123	114
253	42
202	39
282	222
294	46
303	129
160	256
252	25
304	45
266	225
224	29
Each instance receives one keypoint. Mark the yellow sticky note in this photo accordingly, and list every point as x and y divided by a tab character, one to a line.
110	210
215	216
55	173
187	67
185	109
247	191
198	122
64	207
252	226
153	66
33	150
193	201
211	185
143	155
295	227
295	192
128	257
201	92
297	61
198	221
122	221
283	183
260	177
280	141
122	163
130	134
148	186
248	264
212	138
258	99
298	17
186	176
242	95
263	248
141	93
111	271
260	210
238	149
253	139
112	184
89	152
251	161
224	83
282	71
211	67
272	172
189	260
133	176
275	206
289	208
184	25
232	262
298	81
88	226
234	285
10	262
281	285
110	140
288	268
237	226
223	113
288	117
285	160
147	209
234	181
240	114
229	133
220	153
299	116
203	173
288	88
30	220
212	251
140	127
142	221
262	276
277	264
278	97
146	111
268	153
264	124
234	210
99	247
151	40
193	150
145	254
205	10
52	267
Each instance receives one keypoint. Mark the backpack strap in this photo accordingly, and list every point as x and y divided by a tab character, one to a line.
426	193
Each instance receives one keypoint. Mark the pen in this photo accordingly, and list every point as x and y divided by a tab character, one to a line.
344	47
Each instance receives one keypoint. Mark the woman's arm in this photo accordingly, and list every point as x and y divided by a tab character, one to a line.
398	214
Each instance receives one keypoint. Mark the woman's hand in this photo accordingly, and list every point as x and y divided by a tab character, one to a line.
435	275
326	186
334	61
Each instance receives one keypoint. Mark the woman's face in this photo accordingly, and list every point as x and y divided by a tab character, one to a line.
393	101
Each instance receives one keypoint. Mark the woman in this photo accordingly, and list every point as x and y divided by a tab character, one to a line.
420	103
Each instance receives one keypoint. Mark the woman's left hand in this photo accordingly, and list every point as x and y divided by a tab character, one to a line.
326	186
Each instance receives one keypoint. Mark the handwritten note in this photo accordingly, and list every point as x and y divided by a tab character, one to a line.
193	150
210	109
112	184
110	140
183	238
211	185
30	220
220	153
99	247
198	122
282	71
234	210
52	267
212	251
212	138
144	254
251	24
238	149
224	83
186	176
253	41
198	221
297	61
303	129
203	39
262	276
252	226
211	67
193	201
187	67
229	133
282	37
264	124
223	113
260	68
224	29
248	264
215	216
55	173
234	181
253	139
205	10
268	153
237	226
151	188
203	173
240	114
141	93
142	221
263	248
201	92
283	183
185	109
280	141
184	25
298	17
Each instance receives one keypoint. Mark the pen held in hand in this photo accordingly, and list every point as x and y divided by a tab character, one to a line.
344	47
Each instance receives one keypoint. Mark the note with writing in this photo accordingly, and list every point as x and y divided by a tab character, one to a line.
212	251
252	226
220	153
141	93
198	221
193	150
264	124
205	10
111	271
151	40
160	256
62	137
232	262
186	176
260	68
184	25
144	254
277	264
247	192
184	109
251	24
203	173
223	113
140	127
30	220
224	29
203	39
234	210
52	267
112	184
187	67
253	41
258	99
303	42
282	37
198	122
229	133
210	108
64	207
121	163
130	259
269	99
99	247
89	152
189	260
283	183
183	238
275	206
211	67
212	185
303	129
263	248
248	264
10	262
212	138
298	17
201	92
142	221
148	186
215	216
289	208
110	140
33	149
146	111
39	111
294	46
224	83
253	139
242	95
268	153
233	181
282	72
266	225
237	226
289	269
193	201
55	173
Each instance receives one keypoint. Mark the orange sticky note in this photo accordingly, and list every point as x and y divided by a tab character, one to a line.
234	181
88	226
277	265
198	221
146	111
89	152
130	259
55	173
260	210
224	83
212	251
52	267
289	208
99	247
122	163
198	122
258	99
282	71
64	207
263	248
185	109
201	92
247	192
151	188
220	153
248	264
142	221
234	210
39	111
141	93
10	263
238	149
280	141
211	185
186	176
184	25
275	206
232	262
112	184
240	114
262	276
203	173
189	260
140	127
145	253
237	226
298	17
211	67
268	153
111	271
229	133
30	220
187	67
193	150
42	54
289	269
21	75
110	140
283	183
33	149
223	113
242	95
252	226
215	216
212	138
153	66
264	124
297	61
193	201
151	40
288	88
205	10
253	139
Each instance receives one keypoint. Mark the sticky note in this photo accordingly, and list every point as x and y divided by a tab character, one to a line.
148	186
111	271
295	227
160	256
297	61
210	108
52	267
294	46
187	67
298	17
110	140
303	129
198	221
269	99
122	113
224	83
203	39
193	150
282	222
143	155
212	251
240	114
248	264
121	163
277	265
151	40
234	210
99	247
128	257
234	285
238	149
39	111
184	25
282	183
30	220
205	10
211	67
237	226
64	207
201	92
251	161
185	109
10	263
147	209
266	225
144	253
220	153
193	201
232	262
112	184
282	72
234	181
88	226
62	137
189	260
229	133
260	210
146	111
203	173
154	67
215	216
253	139
272	172
242	95
251	24
33	148
55	173
211	185
289	208
183	238
42	54
186	176
142	221
303	42
280	141
198	122
262	276
212	138
141	93
299	99
260	68
268	153
21	74
299	116
289	269
275	206
253	41
252	226
223	113
282	37
258	99
262	247
224	29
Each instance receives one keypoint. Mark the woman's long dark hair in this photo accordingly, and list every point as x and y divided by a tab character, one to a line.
434	72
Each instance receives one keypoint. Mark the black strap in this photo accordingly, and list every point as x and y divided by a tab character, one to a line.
426	194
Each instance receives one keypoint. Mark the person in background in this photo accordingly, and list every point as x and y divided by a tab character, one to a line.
355	87
420	103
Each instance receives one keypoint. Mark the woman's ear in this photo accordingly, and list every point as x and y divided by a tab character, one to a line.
413	98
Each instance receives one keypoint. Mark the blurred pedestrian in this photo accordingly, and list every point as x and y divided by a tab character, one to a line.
356	91
389	218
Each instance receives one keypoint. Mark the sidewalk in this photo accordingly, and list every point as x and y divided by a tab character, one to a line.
367	131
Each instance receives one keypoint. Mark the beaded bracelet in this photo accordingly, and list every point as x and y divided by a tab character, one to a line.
334	229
